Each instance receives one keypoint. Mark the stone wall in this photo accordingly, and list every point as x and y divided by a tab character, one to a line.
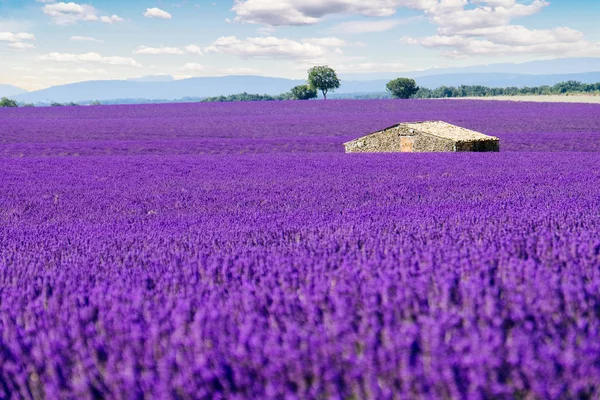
396	141
429	143
479	146
381	142
404	139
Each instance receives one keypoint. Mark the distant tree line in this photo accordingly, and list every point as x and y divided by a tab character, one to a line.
325	80
6	102
562	88
246	97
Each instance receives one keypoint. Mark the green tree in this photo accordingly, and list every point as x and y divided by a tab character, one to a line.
6	102
303	92
324	79
402	88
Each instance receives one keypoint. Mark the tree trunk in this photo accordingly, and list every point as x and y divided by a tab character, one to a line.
324	95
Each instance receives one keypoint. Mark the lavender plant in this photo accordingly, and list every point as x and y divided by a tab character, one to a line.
142	256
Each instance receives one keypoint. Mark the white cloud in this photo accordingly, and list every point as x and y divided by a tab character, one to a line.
266	30
510	40
326	41
372	67
88	71
272	47
83	71
89	58
519	35
84	39
70	13
15	37
189	49
451	17
20	46
495	3
193	49
483	28
309	12
111	20
16	40
379	25
158	50
157	13
193	67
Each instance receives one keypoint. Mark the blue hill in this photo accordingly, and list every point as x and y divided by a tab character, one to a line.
10	90
164	87
128	89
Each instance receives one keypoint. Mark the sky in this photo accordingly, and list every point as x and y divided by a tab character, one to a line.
47	42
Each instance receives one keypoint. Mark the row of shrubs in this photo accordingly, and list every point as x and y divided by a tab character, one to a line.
397	88
562	88
6	102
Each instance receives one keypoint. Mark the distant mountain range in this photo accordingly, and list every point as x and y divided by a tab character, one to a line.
165	87
169	90
560	66
10	90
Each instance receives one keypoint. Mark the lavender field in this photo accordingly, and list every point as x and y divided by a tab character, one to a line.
233	251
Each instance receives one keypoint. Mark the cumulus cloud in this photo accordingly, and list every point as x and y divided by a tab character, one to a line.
15	37
111	19
157	13
158	50
90	71
451	17
193	67
193	49
70	13
368	26
17	41
84	39
507	40
272	47
92	58
83	71
519	35
464	27
448	14
189	49
372	67
20	46
485	28
326	42
309	12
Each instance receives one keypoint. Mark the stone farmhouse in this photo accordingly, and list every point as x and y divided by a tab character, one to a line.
428	136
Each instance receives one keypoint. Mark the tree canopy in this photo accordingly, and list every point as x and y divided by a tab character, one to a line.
562	88
402	88
323	78
303	92
6	102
